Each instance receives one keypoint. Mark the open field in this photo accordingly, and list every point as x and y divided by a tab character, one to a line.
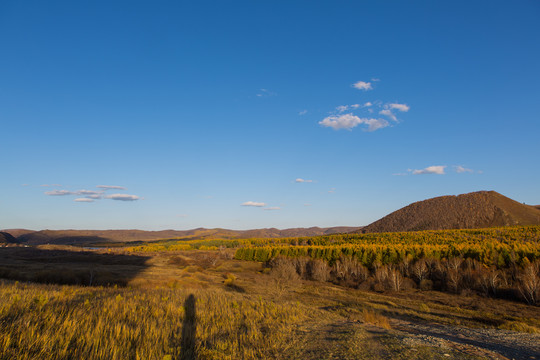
124	304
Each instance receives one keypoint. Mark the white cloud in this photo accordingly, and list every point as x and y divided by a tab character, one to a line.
400	107
59	193
349	121
368	104
388	113
122	197
355	106
109	187
300	180
272	208
96	196
460	169
436	169
303	112
375	79
376	124
254	203
345	121
83	200
342	108
362	85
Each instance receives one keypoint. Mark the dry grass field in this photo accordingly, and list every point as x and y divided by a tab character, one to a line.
110	304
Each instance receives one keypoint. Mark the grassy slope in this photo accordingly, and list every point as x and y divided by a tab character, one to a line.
255	316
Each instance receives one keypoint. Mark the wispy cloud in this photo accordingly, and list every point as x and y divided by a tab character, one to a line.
111	187
272	208
400	107
83	200
300	180
362	85
266	93
59	193
387	112
332	190
122	197
303	112
254	204
436	169
88	192
307	204
460	169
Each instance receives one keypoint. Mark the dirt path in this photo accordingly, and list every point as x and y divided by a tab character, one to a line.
492	343
345	339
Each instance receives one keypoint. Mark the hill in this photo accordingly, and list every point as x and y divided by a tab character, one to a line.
467	211
81	237
7	238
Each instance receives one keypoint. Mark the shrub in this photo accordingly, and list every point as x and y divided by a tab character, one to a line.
284	268
529	283
318	270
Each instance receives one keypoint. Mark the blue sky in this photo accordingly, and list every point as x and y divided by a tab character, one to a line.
261	113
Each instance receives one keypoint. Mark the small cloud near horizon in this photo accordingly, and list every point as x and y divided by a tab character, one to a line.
111	187
88	192
83	200
303	112
122	197
59	193
253	203
300	180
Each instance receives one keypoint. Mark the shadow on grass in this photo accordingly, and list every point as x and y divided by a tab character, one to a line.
69	267
188	350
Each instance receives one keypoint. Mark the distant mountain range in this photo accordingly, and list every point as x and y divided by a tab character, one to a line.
467	211
80	237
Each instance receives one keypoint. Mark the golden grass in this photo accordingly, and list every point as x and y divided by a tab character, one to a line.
60	322
376	319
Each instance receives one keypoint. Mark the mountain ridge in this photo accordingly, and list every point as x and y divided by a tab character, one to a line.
74	237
